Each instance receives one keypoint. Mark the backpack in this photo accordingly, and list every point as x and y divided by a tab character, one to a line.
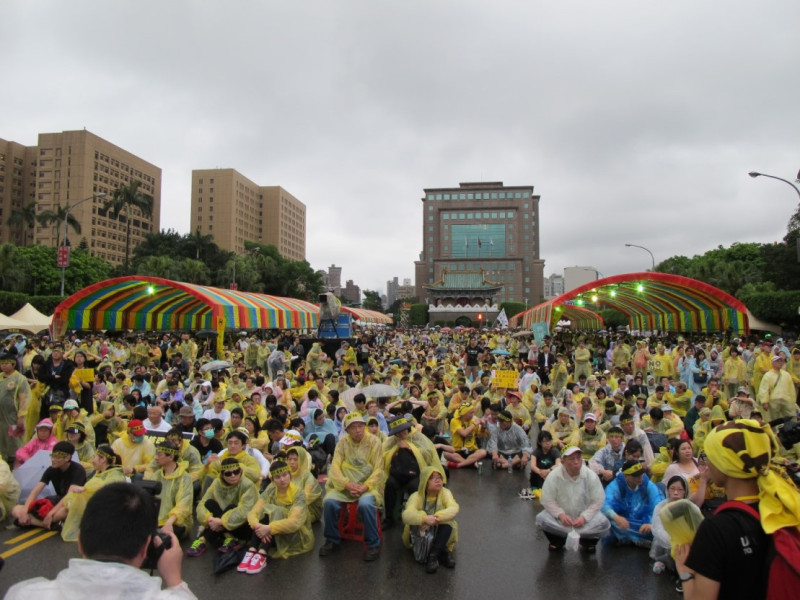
783	557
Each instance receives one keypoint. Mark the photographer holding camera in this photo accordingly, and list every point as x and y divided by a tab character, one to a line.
117	534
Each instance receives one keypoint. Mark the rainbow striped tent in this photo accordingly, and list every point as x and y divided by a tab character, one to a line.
650	300
369	317
152	304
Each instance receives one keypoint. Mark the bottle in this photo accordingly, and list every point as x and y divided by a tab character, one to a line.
510	466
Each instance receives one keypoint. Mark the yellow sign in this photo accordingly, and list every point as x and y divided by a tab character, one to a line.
86	375
505	379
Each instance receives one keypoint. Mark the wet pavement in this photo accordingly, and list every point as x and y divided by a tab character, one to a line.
500	554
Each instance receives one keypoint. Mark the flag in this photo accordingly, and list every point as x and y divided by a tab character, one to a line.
502	319
479	242
491	241
466	244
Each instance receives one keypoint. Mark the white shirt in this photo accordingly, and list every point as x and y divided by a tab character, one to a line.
92	579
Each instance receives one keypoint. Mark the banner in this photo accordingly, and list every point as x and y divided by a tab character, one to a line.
505	379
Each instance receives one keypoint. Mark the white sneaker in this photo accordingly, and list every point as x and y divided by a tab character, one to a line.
658	567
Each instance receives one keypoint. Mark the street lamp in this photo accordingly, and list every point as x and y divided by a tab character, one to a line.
652	258
64	241
755	174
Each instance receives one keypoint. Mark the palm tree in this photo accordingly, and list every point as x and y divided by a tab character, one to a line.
199	242
56	218
127	197
24	216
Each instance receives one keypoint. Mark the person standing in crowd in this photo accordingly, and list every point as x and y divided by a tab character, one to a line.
15	395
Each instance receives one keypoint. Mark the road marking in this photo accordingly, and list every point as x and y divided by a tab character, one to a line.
28	544
24	536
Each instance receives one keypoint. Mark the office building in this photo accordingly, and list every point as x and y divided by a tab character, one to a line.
233	210
351	293
66	170
577	276
486	228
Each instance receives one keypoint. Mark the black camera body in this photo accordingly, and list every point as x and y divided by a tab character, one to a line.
154	552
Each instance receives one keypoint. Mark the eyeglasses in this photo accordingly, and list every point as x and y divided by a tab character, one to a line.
232	473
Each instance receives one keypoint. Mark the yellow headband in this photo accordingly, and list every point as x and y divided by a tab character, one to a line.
743	450
503	417
279	471
229	467
634	469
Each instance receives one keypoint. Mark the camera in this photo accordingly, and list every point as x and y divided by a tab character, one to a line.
154	552
153	488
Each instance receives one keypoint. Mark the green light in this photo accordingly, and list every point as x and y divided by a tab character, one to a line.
640	288
558	308
151	290
613	293
594	298
579	302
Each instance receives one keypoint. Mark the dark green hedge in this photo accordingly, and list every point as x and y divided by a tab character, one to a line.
778	307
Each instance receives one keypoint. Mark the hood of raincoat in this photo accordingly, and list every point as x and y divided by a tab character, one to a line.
426	474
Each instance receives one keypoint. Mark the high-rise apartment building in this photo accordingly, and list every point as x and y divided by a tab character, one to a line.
66	170
234	210
485	227
577	276
553	286
351	293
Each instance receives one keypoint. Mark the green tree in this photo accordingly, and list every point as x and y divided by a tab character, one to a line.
56	217
164	243
23	221
14	269
45	277
128	197
198	243
372	301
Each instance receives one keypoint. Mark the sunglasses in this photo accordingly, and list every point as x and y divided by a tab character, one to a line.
231	473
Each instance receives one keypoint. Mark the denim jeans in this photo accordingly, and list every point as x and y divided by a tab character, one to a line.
367	512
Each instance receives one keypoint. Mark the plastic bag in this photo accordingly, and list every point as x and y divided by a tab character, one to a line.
421	543
573	541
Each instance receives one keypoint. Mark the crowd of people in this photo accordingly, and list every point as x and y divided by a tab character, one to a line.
251	448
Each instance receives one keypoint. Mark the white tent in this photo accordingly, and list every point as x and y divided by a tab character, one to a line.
9	323
32	318
759	325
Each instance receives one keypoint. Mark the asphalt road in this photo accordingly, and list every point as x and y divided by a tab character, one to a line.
500	552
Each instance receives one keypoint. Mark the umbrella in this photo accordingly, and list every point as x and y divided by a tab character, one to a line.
30	473
501	352
206	333
215	365
377	390
445	329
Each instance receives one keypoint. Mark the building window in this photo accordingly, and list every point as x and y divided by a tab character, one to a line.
525	205
447	196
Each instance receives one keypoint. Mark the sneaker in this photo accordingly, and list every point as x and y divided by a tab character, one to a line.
198	548
328	548
432	565
244	566
678	586
658	567
372	553
258	564
231	544
446	559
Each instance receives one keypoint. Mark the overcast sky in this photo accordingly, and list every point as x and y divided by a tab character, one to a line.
635	121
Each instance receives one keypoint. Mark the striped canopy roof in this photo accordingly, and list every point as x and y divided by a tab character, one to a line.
153	304
650	301
367	316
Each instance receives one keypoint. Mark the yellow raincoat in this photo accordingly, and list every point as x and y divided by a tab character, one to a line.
9	491
419	506
356	462
241	496
76	503
289	520
305	481
176	495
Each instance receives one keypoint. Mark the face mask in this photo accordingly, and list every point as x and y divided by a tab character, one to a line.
209	433
138	439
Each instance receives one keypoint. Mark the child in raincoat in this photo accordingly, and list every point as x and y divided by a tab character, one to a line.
280	521
432	506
